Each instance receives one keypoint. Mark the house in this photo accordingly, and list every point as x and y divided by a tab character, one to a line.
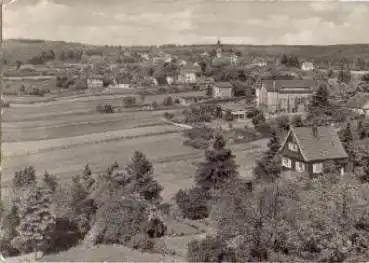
260	62
188	74
238	110
359	103
94	83
291	95
169	79
189	100
310	149
222	90
307	66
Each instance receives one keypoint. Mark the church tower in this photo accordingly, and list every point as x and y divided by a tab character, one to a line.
219	49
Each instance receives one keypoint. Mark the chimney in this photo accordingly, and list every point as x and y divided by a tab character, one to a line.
315	130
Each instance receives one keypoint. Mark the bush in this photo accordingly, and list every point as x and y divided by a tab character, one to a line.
211	249
197	143
193	203
168	115
107	108
168	101
24	178
121	219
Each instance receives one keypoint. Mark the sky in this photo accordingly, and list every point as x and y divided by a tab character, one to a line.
151	22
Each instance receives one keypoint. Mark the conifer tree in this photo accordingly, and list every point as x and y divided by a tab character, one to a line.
142	181
51	181
37	220
361	130
347	139
86	179
218	168
267	166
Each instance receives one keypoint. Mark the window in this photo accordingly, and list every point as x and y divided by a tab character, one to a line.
317	168
292	147
286	162
300	167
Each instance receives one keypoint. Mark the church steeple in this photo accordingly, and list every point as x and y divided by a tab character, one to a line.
219	49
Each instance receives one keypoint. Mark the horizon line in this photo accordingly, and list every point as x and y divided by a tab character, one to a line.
183	45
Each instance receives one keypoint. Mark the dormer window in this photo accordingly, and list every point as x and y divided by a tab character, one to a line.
292	147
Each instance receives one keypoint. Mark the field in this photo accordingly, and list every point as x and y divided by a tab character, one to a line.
62	136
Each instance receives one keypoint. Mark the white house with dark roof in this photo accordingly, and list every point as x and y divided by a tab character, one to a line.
310	149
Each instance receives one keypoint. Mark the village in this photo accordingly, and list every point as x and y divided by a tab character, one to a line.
162	109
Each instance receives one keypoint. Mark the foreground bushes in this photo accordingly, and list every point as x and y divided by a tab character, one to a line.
193	203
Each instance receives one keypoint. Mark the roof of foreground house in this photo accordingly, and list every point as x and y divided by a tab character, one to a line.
326	145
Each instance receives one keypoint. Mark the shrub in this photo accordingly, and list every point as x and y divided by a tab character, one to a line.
168	115
193	203
121	219
26	177
168	101
211	249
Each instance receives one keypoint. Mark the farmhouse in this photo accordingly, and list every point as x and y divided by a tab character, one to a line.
222	90
283	95
310	149
359	103
307	66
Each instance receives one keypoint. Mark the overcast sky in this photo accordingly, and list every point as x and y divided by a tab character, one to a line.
143	22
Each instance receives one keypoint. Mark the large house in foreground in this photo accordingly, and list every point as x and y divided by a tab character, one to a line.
291	95
310	149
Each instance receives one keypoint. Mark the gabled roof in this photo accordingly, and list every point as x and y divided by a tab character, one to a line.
326	145
289	85
358	101
224	85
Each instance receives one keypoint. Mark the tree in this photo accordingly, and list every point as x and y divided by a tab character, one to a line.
347	139
193	203
168	101
9	226
142	181
218	168
81	210
18	64
297	121
211	249
37	220
121	219
268	168
361	130
25	178
86	179
51	181
344	76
